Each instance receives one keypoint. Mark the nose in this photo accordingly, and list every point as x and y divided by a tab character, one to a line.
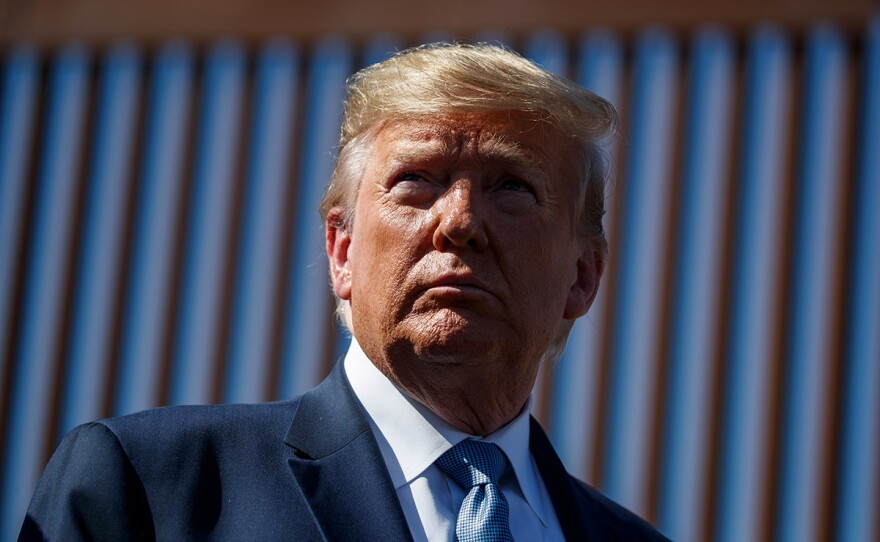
461	221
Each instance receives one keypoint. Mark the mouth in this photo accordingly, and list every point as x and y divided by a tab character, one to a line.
456	287
456	280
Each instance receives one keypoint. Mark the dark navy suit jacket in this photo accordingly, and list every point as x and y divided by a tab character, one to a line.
305	469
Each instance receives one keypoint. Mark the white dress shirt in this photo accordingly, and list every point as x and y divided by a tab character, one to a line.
411	438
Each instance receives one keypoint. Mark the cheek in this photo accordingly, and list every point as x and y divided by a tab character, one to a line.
384	251
543	275
401	233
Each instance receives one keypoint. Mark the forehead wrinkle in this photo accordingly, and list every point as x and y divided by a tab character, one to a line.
417	145
422	143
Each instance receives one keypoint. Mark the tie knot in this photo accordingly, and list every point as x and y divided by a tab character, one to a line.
471	463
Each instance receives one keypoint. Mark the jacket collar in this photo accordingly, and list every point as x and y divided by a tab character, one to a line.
339	469
342	477
560	485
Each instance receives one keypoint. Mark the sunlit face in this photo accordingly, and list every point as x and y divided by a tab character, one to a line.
463	248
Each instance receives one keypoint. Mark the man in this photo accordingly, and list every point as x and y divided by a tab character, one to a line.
463	231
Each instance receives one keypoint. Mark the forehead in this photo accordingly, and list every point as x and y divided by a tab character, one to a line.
502	137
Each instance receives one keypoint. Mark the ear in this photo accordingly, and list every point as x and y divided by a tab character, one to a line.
338	242
590	266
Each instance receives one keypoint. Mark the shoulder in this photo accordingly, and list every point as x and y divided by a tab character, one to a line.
88	481
205	422
165	469
179	435
168	439
617	521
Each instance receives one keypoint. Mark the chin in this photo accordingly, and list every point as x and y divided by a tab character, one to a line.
452	337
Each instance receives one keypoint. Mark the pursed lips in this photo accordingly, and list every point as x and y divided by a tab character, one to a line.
457	284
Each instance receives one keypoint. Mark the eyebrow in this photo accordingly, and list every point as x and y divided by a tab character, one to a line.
494	148
412	150
502	149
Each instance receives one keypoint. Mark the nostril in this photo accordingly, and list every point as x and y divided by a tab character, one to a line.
459	230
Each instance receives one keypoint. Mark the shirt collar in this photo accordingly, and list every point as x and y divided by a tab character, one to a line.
412	437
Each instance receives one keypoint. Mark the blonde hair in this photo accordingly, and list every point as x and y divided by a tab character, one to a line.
448	78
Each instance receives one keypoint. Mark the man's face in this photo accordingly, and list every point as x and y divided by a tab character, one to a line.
463	248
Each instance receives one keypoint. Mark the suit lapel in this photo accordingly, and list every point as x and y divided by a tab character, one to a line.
559	485
342	477
339	469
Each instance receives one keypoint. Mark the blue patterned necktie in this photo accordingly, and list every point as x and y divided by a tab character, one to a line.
476	467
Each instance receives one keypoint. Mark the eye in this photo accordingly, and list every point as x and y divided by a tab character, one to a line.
514	185
411	188
514	195
409	176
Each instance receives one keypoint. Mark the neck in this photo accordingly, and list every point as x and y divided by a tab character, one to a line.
478	418
477	398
